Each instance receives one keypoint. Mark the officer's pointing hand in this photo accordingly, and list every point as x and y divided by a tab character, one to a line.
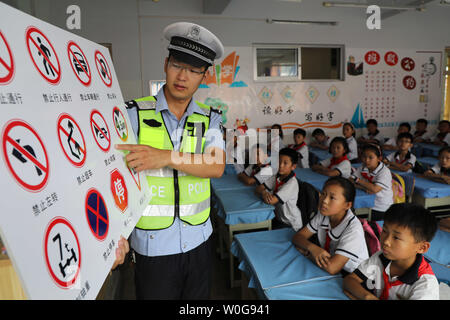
143	157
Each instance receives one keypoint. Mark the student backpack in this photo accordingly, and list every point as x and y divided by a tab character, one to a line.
307	201
398	188
372	232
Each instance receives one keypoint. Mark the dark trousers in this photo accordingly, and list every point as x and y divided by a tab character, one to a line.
377	215
184	276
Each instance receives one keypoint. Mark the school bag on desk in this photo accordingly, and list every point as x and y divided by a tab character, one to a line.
307	201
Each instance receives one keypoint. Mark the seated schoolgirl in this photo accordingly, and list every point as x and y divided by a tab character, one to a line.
338	164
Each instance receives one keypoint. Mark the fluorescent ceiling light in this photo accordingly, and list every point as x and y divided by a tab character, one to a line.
365	5
280	21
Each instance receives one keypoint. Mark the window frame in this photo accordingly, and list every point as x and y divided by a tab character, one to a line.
298	47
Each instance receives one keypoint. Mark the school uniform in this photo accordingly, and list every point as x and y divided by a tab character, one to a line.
442	138
286	190
417	283
235	155
303	154
342	164
409	159
382	177
353	147
425	135
377	136
346	239
391	142
261	174
437	169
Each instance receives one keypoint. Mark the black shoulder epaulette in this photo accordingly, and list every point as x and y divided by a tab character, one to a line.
131	104
216	110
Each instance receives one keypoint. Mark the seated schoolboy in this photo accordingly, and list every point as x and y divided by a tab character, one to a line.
301	148
442	138
421	134
260	171
338	164
399	271
320	140
281	190
440	172
391	144
373	134
375	177
340	233
348	130
403	159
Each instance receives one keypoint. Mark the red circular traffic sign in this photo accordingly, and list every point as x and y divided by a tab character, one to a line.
79	63
43	55
120	124
25	155
119	190
71	140
97	214
6	61
100	130
103	68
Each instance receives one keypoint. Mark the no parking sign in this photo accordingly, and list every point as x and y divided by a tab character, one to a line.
66	201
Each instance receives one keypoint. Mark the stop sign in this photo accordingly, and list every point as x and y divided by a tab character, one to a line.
119	190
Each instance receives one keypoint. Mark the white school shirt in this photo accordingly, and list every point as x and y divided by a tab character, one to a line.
235	156
395	157
378	137
353	147
346	239
437	168
416	283
286	209
303	159
344	167
446	138
382	177
427	135
265	173
391	142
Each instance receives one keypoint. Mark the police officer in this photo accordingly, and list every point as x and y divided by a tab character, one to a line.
180	147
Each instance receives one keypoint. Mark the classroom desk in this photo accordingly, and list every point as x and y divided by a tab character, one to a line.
228	182
276	269
321	154
431	194
428	161
307	175
427	149
240	210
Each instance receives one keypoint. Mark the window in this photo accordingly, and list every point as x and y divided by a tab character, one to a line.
294	63
446	115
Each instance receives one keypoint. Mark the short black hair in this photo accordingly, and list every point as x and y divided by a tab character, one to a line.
405	124
444	149
291	153
422	120
406	135
342	141
317	131
444	121
376	148
420	221
300	131
372	121
349	187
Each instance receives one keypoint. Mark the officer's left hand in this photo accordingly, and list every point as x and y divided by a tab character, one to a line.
143	157
121	252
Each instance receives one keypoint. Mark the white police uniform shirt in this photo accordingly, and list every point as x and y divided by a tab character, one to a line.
179	237
382	177
286	209
344	167
416	284
395	157
353	147
346	239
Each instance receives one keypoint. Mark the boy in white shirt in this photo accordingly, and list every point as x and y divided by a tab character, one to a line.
391	144
259	172
440	172
403	159
301	148
399	271
322	141
442	138
281	190
373	134
421	134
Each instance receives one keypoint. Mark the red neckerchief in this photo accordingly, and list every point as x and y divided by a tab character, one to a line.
279	184
297	147
424	268
327	242
366	176
407	156
335	161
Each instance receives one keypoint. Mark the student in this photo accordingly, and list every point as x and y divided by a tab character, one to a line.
440	172
322	141
338	164
260	171
403	159
391	144
341	236
375	177
348	130
281	190
373	134
235	154
421	134
398	271
442	138
301	148
276	141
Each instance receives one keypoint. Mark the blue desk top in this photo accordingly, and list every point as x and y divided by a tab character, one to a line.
321	154
238	206
228	182
431	189
429	149
306	174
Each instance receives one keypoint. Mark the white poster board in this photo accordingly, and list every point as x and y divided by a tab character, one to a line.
67	194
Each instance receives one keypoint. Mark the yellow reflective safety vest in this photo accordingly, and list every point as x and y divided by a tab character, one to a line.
173	193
